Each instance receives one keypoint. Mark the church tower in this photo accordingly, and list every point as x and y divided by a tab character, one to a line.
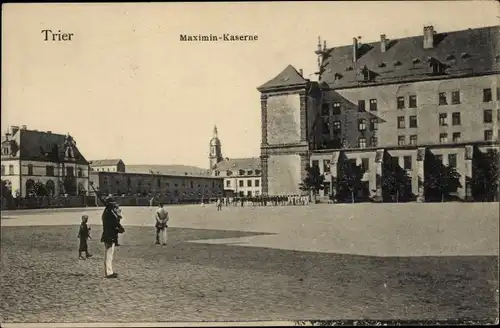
215	155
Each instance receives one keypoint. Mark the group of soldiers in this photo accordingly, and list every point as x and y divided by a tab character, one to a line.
290	200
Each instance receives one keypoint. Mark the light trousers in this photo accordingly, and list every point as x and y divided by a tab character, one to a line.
109	250
164	235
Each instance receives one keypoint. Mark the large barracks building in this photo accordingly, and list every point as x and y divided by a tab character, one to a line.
401	99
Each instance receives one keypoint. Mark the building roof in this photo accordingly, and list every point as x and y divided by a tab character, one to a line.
252	163
176	170
289	77
148	175
464	52
43	146
105	162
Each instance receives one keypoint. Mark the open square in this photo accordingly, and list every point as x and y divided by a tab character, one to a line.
257	263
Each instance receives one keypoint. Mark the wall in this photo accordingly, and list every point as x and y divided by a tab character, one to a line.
427	111
283	119
14	177
175	186
284	174
234	185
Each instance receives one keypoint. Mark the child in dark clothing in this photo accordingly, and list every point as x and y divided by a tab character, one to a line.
83	235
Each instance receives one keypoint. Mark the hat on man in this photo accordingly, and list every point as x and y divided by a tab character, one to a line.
109	200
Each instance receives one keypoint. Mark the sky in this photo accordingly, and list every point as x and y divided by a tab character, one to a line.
126	87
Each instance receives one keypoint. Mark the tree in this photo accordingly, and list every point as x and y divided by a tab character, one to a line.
396	183
485	175
39	189
440	180
313	182
350	179
6	189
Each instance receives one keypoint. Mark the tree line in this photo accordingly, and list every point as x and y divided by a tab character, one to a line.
440	181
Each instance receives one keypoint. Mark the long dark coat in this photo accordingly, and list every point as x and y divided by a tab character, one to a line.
110	226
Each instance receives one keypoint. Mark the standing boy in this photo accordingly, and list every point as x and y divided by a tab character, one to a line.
161	219
83	235
111	227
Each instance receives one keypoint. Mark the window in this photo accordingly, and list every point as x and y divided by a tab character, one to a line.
443	137
452	160
401	140
249	183
413	139
407	162
361	105
241	183
336	125
401	122
455	97
373	141
456	137
3	169
326	165
49	170
105	180
257	183
30	169
257	193
455	118
362	142
413	101
344	143
488	135
487	95
488	116
442	99
373	124
242	172
336	108
365	164
249	172
80	172
443	119
401	102
498	93
11	169
413	121
257	172
373	104
249	193
228	183
158	183
362	124
315	163
325	109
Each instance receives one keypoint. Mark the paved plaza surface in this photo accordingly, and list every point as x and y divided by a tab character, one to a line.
362	261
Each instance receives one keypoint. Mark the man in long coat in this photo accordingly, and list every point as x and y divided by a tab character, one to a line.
110	228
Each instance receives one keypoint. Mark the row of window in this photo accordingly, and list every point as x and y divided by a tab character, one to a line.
455	117
240	172
49	171
412	102
242	184
402	122
407	162
158	183
249	193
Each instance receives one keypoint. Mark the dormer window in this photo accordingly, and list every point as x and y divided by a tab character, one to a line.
450	57
349	68
337	76
397	63
382	64
464	55
416	60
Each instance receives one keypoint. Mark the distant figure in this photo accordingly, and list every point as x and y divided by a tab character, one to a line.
83	235
161	219
219	204
111	227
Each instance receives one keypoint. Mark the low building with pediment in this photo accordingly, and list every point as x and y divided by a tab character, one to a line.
42	163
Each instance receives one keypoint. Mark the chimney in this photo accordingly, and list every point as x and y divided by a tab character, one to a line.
24	127
428	37
301	72
354	50
383	43
14	129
